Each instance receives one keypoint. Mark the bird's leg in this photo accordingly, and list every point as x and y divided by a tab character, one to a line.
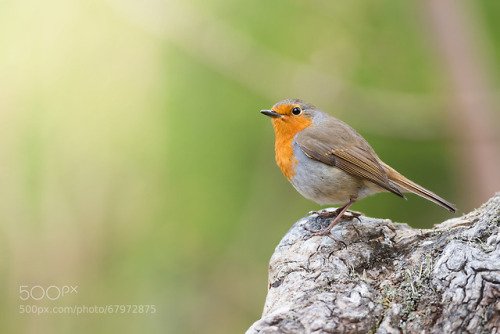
338	215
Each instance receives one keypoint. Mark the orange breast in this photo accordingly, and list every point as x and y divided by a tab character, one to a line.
285	129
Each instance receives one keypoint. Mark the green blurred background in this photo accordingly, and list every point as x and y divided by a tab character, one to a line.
134	162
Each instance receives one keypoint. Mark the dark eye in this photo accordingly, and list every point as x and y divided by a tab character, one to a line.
296	111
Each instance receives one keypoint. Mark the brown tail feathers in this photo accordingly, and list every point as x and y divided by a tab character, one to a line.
412	187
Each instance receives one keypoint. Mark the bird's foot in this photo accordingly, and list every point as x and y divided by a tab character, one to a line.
323	213
352	214
331	214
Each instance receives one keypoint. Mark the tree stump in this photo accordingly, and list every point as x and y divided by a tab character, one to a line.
375	276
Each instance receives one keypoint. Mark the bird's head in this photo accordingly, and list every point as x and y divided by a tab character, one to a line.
292	116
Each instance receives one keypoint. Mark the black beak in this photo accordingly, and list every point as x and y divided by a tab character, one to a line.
271	113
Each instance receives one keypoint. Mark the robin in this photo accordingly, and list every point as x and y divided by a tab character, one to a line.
328	162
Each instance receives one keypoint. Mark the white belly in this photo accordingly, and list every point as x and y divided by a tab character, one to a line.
325	184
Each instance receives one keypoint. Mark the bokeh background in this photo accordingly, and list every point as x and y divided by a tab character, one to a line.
135	165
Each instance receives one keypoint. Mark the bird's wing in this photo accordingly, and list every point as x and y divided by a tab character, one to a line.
326	143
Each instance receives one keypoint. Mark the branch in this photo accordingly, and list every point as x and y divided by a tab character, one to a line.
383	277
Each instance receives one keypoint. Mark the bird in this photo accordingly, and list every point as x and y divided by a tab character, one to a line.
329	162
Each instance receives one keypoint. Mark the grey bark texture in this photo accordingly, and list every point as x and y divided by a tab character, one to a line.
376	276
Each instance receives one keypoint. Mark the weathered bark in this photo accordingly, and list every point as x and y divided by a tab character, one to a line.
383	277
